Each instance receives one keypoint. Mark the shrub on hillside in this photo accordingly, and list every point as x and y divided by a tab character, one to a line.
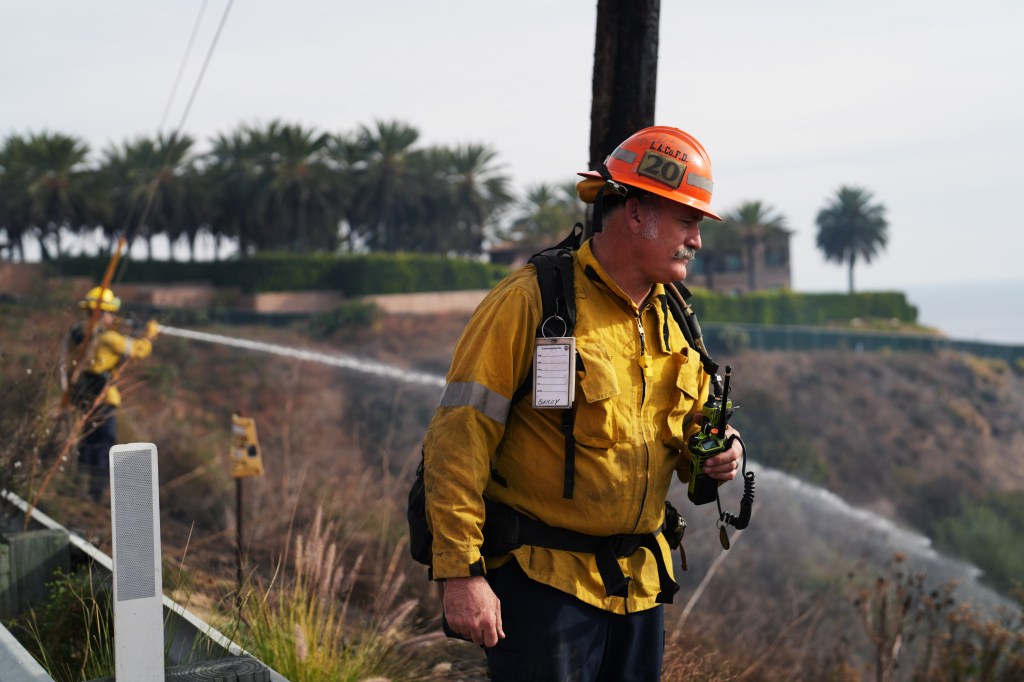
926	635
35	437
987	533
344	318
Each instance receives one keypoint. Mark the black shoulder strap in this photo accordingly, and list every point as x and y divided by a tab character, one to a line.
555	278
687	321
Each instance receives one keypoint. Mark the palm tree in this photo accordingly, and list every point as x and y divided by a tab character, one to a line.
477	190
425	220
182	206
49	187
301	192
11	240
546	213
851	227
720	242
156	189
388	187
231	168
754	221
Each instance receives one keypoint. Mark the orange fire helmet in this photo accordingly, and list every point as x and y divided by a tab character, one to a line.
660	160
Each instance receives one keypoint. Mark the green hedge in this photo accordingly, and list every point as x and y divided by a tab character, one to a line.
786	307
352	275
360	275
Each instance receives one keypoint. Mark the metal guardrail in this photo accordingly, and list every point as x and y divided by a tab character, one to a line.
183	629
17	664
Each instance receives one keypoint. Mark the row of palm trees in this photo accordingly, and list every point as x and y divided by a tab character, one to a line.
284	187
277	187
851	227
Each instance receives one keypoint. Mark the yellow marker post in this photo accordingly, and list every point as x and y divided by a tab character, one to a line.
246	461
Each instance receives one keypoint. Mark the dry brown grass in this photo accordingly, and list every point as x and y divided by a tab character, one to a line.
339	449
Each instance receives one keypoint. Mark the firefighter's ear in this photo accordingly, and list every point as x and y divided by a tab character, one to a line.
631	210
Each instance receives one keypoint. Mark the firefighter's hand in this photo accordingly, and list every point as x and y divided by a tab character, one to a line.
152	330
473	610
725	465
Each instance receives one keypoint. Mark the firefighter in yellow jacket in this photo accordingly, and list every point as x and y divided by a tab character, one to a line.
555	614
94	391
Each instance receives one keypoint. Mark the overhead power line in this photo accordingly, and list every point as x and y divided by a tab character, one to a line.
181	67
206	63
147	207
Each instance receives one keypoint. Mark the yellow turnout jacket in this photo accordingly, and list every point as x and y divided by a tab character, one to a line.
637	392
111	350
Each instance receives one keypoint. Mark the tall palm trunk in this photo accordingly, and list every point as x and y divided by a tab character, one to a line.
45	251
709	278
752	264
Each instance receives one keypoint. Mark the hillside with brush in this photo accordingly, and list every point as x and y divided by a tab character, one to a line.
932	442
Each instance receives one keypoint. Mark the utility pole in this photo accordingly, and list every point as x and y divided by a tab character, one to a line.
625	73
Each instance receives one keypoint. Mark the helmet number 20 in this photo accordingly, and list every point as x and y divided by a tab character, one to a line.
661	168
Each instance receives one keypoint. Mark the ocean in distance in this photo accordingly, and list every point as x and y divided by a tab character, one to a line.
992	312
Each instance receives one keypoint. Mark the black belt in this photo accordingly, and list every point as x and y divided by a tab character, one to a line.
506	529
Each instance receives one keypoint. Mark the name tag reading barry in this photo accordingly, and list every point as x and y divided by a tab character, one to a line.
554	364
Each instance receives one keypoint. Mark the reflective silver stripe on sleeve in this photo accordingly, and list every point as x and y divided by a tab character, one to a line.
127	348
477	396
699	181
624	155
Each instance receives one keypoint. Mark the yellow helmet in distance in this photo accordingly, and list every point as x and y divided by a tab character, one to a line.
102	298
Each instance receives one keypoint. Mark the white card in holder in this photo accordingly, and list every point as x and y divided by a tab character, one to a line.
554	372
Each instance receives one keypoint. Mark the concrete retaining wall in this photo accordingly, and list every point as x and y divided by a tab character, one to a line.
20	280
430	303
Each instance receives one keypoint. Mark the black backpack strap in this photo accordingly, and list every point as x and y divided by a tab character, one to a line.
557	294
687	321
554	267
555	277
571	241
568	426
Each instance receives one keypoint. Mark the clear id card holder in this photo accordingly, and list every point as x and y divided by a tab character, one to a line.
554	366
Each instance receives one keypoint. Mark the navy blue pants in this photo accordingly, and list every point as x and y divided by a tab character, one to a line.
98	435
553	636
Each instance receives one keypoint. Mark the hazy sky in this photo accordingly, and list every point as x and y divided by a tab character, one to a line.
919	102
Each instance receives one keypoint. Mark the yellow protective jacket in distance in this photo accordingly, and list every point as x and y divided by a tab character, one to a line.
630	428
110	351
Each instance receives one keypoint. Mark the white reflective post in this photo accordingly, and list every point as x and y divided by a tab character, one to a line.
138	584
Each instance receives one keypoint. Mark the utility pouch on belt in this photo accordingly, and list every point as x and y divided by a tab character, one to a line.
673	529
420	539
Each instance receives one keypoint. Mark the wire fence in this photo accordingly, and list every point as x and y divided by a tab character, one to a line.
735	336
732	336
